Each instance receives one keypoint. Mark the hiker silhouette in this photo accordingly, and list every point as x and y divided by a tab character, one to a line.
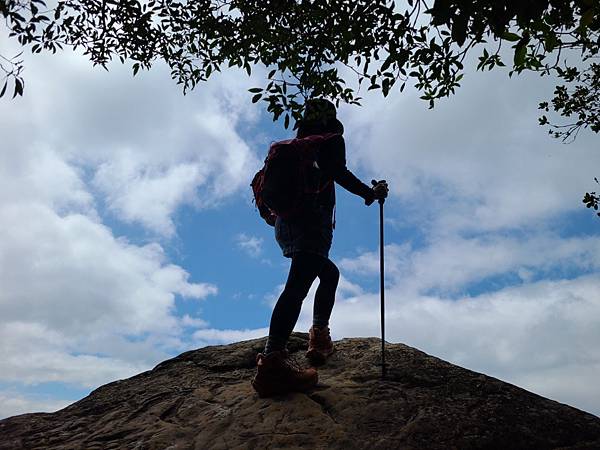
306	237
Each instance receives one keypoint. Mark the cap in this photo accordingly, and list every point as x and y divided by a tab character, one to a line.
321	113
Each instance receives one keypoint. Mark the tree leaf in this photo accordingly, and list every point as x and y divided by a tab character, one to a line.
459	29
387	63
587	18
18	87
3	89
520	54
512	37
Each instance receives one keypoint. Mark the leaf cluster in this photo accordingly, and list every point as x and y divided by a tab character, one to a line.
591	199
327	48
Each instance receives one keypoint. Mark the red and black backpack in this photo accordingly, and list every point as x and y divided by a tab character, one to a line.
289	173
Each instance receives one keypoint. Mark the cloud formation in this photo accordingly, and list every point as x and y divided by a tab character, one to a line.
495	282
252	245
80	305
538	335
478	161
145	149
12	403
71	290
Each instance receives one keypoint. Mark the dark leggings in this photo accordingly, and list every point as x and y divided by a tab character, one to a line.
304	269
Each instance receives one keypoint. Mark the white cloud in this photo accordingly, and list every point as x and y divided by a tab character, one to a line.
212	336
148	197
193	322
72	291
252	245
33	353
477	161
539	336
489	193
145	147
449	263
367	263
80	305
12	403
72	271
38	174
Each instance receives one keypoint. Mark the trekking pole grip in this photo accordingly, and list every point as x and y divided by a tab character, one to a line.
375	183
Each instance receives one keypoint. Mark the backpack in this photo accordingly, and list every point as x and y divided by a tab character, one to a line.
290	173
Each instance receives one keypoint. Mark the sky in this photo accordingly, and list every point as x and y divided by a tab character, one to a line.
128	234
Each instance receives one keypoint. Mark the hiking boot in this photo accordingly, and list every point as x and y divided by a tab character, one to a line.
320	346
277	373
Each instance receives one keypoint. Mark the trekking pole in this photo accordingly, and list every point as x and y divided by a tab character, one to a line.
381	283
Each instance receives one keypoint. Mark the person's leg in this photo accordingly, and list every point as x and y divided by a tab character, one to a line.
304	270
329	277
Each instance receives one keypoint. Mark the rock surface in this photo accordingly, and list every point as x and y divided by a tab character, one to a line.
203	399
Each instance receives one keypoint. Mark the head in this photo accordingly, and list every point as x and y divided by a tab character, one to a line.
319	117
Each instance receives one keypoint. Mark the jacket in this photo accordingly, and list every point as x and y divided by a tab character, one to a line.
312	230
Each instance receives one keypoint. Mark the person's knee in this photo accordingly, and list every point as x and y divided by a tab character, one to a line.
330	273
335	273
295	293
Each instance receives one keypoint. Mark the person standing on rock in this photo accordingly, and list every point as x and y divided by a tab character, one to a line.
306	239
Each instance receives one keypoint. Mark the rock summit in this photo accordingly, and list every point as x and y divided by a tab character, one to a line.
202	399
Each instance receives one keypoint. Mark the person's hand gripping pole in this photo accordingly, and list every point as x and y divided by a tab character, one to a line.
380	189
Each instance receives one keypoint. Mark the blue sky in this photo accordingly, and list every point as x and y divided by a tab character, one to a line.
127	232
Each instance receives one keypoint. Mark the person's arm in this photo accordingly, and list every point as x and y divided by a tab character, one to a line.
332	160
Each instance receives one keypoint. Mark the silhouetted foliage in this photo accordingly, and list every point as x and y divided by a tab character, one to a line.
591	200
315	47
